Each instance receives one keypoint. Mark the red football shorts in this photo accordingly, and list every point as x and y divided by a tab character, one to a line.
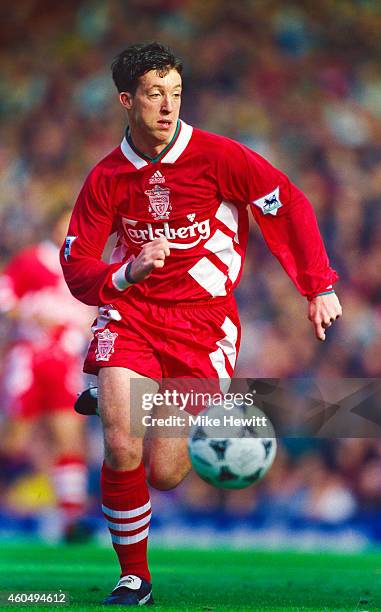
38	380
167	341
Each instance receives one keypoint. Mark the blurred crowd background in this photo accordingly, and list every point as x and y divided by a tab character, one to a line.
300	83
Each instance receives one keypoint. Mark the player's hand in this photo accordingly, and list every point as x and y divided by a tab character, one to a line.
151	257
323	310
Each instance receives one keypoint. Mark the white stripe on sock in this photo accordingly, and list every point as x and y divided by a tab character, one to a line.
130	539
130	526
122	514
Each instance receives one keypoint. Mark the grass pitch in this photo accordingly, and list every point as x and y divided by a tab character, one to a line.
207	580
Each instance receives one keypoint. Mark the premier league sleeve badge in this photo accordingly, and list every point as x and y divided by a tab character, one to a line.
269	203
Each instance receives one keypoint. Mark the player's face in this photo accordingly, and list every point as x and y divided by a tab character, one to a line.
154	109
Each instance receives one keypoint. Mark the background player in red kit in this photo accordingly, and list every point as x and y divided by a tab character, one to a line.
40	373
178	199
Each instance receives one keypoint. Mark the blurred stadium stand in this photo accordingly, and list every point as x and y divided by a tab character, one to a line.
300	85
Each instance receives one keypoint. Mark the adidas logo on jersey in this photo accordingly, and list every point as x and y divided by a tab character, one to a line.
156	178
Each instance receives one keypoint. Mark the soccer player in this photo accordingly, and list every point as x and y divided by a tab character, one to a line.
178	198
41	368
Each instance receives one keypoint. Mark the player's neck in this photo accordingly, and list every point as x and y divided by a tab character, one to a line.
145	146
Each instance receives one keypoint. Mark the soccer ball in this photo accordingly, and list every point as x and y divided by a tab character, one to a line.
228	449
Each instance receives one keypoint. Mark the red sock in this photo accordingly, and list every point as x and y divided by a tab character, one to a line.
127	508
70	485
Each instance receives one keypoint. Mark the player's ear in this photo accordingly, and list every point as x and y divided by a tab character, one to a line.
125	98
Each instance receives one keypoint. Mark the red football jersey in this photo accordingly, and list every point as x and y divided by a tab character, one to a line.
41	367
196	193
32	283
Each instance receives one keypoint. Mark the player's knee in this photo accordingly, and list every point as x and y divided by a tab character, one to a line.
163	482
121	451
165	479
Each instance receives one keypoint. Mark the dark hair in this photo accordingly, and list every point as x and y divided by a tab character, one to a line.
138	59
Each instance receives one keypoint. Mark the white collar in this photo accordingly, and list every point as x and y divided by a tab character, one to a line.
170	157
